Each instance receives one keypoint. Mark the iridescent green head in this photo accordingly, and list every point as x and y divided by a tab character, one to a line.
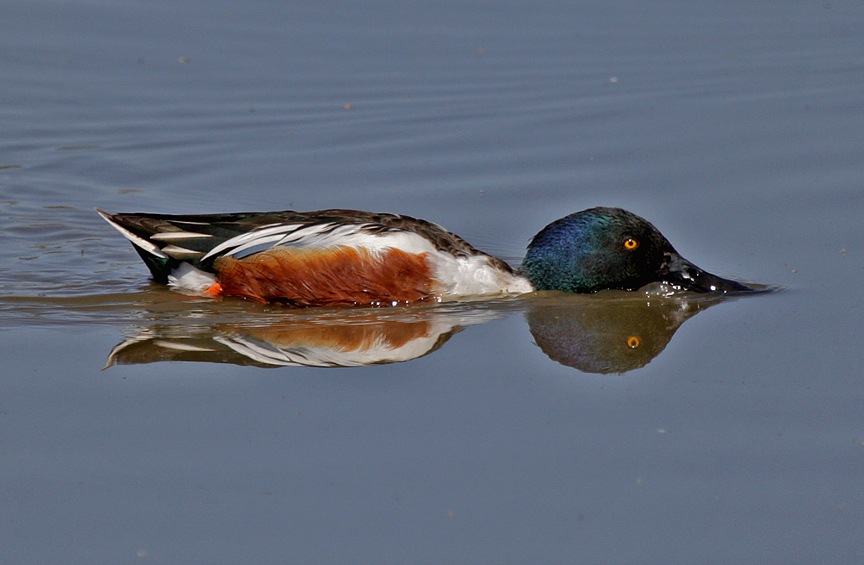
611	248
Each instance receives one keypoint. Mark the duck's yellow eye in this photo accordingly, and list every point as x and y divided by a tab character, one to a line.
630	244
633	342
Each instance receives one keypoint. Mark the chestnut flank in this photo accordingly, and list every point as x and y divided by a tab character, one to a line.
336	276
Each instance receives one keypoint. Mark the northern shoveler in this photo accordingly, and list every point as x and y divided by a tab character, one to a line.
343	257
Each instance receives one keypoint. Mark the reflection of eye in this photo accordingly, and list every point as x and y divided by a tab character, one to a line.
633	342
630	243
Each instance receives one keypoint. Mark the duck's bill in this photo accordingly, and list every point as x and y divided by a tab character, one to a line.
683	274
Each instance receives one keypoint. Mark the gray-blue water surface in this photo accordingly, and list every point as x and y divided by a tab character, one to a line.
509	431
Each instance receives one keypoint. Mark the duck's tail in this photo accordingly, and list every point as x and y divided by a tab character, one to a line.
160	263
156	241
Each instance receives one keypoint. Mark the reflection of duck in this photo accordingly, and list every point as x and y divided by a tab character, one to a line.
610	332
361	338
600	335
341	257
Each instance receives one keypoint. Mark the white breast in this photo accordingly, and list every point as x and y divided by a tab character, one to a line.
455	276
474	276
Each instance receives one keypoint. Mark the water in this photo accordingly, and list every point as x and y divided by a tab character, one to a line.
489	432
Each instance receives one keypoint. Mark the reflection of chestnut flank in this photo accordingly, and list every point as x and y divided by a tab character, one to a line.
364	336
344	337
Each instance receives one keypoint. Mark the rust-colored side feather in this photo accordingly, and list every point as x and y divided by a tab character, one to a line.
326	277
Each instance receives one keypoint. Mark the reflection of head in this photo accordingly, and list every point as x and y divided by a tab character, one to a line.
608	335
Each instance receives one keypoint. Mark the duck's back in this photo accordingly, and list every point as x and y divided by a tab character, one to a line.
329	257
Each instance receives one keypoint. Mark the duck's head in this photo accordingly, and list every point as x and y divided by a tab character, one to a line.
604	248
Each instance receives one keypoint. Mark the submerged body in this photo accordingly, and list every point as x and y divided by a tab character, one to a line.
345	257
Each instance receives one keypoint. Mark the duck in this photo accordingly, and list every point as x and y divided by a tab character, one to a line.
350	257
